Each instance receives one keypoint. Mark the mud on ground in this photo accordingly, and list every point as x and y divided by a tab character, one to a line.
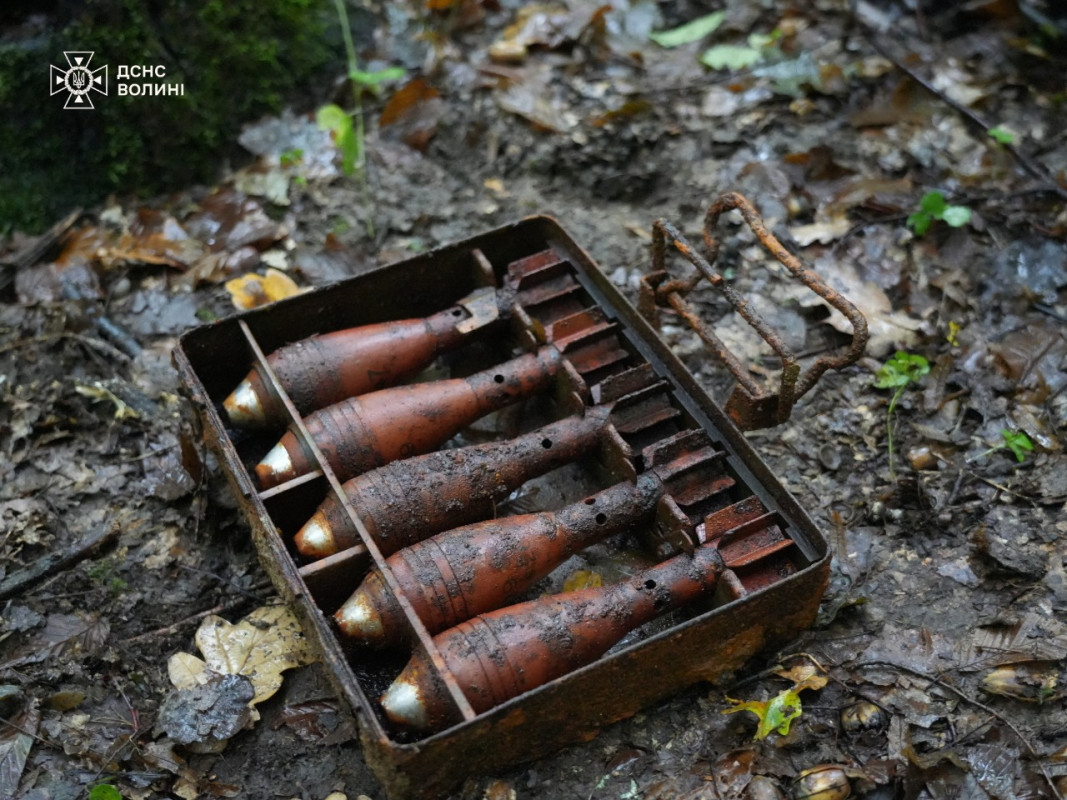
947	566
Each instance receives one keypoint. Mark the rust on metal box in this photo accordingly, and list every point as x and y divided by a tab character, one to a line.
518	289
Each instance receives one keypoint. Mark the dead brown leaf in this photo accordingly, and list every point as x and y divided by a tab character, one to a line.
69	635
254	290
16	740
413	112
890	329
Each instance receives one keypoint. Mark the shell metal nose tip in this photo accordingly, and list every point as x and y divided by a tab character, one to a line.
244	408
315	539
359	619
276	467
403	705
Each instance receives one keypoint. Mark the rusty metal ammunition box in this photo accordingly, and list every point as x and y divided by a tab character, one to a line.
778	561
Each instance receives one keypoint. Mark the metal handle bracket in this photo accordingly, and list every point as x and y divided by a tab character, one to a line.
750	405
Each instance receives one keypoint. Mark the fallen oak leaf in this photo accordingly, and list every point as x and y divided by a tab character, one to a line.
413	113
262	646
409	95
63	636
823	232
889	330
151	249
186	670
320	721
536	25
1032	682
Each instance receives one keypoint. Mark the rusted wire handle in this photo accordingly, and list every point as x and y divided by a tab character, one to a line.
750	405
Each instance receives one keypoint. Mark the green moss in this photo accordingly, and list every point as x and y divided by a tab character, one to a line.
237	60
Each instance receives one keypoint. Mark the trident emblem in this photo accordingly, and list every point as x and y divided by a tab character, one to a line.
78	80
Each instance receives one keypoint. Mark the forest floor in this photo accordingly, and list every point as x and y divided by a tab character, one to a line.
119	536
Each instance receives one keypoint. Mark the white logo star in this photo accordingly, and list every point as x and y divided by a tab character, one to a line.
78	80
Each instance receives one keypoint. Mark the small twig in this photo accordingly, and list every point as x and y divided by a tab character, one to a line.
774	670
36	713
859	226
149	454
968	200
988	481
977	704
89	341
1001	488
1052	312
109	350
124	342
1035	169
118	746
852	690
176	626
108	327
955	489
53	563
920	21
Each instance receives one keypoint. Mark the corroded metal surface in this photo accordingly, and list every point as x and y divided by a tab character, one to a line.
751	405
637	417
501	654
361	433
321	370
476	568
409	500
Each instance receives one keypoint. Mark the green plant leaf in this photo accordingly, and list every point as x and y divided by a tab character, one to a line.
919	222
334	119
900	370
761	41
690	32
956	216
373	81
933	206
887	378
730	56
1002	135
1018	442
291	157
933	203
775	714
897	373
104	791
